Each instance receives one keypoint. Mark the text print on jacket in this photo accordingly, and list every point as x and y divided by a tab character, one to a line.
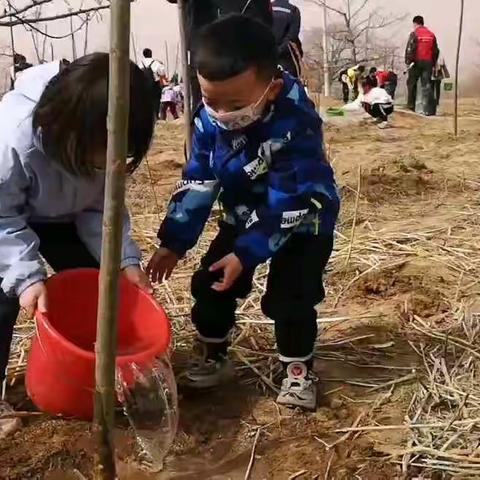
35	190
272	180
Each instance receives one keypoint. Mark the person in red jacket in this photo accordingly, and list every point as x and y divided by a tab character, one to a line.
388	80
421	56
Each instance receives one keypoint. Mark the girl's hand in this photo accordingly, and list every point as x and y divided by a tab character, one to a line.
138	277
34	298
161	265
232	269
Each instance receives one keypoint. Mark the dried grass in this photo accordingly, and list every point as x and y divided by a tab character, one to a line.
443	417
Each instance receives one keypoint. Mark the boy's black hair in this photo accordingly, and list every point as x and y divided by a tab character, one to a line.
147	53
234	44
71	115
361	68
418	20
372	70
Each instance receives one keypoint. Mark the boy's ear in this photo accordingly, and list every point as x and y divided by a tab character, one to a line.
275	89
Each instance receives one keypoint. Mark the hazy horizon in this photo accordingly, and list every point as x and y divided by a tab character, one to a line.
154	22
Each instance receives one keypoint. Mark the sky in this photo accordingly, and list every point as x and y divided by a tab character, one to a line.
154	23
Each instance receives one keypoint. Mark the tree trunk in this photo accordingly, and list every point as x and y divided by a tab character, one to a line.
187	86
74	47
85	43
457	66
106	344
326	71
167	61
12	43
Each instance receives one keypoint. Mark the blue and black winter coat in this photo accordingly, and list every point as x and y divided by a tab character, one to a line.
271	179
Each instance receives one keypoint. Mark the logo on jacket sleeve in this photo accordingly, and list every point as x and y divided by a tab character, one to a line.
196	185
252	219
293	218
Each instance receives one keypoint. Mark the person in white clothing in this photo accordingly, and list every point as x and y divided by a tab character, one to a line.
168	102
154	71
377	103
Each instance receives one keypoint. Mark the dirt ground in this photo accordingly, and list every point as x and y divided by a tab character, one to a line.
414	181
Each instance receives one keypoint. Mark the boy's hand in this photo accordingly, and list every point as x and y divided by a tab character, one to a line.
138	277
34	298
232	269
161	265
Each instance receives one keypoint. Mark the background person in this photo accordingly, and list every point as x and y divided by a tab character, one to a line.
377	103
355	77
372	77
286	28
168	102
154	71
20	64
388	80
202	12
421	55
440	73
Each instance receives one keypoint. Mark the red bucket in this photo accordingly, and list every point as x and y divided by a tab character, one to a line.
60	375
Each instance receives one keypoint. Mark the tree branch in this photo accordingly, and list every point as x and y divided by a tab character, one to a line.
18	11
73	13
321	3
359	9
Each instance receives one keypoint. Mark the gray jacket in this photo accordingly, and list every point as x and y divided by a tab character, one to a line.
34	189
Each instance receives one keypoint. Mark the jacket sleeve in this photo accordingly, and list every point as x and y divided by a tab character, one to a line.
293	31
20	263
411	50
89	226
293	178
194	195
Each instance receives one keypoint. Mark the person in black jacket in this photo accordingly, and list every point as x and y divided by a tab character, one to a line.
202	12
286	28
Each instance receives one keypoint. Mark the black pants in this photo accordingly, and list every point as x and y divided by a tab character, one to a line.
437	90
379	110
345	92
166	107
421	70
62	248
157	95
294	287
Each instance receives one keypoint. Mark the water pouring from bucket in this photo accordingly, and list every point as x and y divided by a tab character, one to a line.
60	376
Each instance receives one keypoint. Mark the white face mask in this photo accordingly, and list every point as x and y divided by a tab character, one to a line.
238	119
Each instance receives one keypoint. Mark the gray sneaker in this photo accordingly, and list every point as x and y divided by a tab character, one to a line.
298	388
203	372
8	426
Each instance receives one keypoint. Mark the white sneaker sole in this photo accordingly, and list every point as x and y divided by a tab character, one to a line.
310	406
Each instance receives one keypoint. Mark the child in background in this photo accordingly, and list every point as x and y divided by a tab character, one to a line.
388	80
53	140
168	103
377	103
257	142
354	78
372	77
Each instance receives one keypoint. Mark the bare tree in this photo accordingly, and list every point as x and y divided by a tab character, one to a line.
13	16
355	24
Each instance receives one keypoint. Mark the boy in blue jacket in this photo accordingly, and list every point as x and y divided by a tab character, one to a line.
258	148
